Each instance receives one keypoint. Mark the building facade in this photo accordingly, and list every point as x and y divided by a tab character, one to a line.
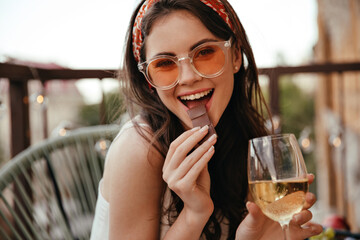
338	110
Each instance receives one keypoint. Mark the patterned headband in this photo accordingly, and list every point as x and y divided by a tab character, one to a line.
216	5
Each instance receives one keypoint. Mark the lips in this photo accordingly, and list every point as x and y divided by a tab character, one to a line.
196	99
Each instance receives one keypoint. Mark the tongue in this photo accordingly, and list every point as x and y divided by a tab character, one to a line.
194	103
200	118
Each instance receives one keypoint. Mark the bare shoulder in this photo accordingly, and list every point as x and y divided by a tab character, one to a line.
133	186
131	155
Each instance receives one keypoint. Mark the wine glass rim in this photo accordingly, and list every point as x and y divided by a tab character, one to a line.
273	136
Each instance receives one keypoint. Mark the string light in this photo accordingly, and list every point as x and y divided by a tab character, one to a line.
274	124
305	142
336	142
102	146
39	100
64	128
62	132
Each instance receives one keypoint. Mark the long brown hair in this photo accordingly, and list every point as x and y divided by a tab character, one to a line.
240	121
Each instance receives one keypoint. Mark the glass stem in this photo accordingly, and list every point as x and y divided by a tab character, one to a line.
285	228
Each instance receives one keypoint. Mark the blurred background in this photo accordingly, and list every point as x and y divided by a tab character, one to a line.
308	53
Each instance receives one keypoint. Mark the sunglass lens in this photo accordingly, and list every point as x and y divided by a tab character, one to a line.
209	60
163	72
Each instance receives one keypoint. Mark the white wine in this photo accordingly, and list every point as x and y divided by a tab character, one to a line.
280	200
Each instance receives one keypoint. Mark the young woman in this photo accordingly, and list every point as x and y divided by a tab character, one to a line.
160	180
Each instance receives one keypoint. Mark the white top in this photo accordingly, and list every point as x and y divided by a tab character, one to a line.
100	227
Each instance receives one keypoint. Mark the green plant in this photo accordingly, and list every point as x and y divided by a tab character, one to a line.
296	107
113	108
297	112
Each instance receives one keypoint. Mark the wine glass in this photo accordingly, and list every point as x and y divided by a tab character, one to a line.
277	177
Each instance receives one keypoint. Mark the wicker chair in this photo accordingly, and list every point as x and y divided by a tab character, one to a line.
49	190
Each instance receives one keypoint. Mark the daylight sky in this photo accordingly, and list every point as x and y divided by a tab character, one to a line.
86	34
89	34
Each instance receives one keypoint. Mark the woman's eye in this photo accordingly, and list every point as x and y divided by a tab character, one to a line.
164	63
205	52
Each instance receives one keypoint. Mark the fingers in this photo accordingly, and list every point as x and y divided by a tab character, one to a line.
181	170
311	178
255	217
253	225
257	225
183	145
300	223
308	230
310	200
194	171
253	209
302	217
198	158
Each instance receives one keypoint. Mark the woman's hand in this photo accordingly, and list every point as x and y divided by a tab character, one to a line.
187	174
257	226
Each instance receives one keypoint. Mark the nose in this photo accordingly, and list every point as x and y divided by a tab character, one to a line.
187	74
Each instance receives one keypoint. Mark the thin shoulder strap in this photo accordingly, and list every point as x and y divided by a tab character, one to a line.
127	125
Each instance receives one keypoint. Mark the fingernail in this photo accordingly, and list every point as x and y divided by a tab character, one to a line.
297	218
211	149
195	129
204	128
310	197
212	138
315	229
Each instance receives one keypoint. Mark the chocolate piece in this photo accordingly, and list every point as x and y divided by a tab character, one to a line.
200	118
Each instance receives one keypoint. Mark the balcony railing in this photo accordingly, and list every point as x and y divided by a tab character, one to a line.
19	76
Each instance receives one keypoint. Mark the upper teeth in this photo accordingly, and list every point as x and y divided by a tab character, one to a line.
196	95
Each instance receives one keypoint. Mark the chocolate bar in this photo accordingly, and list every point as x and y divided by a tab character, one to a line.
200	118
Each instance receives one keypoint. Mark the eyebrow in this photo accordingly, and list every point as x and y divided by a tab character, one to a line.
201	42
205	40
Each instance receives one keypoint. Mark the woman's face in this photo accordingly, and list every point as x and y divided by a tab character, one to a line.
176	34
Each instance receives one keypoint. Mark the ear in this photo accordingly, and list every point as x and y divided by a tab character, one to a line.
236	59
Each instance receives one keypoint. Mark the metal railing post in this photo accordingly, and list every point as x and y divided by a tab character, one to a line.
20	135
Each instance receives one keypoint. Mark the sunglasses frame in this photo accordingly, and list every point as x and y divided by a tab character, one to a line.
224	46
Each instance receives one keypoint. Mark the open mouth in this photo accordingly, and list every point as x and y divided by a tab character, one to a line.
193	100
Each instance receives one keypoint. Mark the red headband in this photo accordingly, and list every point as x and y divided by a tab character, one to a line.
216	5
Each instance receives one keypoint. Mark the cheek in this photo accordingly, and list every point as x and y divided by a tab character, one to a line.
164	96
174	106
227	91
168	100
227	84
225	87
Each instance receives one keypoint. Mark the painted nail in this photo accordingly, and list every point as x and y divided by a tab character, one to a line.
297	218
211	149
315	230
195	129
212	137
204	128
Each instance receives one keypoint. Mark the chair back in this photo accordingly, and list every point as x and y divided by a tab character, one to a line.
49	190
